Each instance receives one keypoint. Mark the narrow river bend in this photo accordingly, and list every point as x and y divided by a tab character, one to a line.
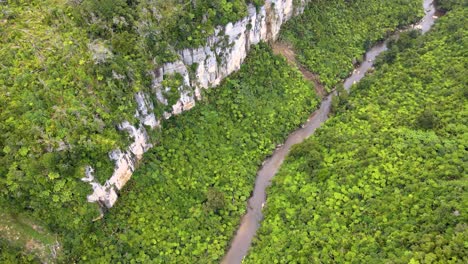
251	220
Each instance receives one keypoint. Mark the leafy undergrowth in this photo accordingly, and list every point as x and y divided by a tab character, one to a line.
331	35
385	180
23	240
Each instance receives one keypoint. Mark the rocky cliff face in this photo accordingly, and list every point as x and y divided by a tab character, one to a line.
200	68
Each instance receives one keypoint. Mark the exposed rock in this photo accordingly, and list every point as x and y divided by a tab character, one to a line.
225	51
125	162
145	111
100	52
201	68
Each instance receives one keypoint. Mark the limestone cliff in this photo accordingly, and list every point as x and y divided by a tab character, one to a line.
201	68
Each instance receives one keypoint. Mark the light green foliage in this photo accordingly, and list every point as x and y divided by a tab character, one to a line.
172	94
185	202
330	34
379	183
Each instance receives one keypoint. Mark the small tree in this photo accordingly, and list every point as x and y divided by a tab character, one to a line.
214	200
341	98
428	120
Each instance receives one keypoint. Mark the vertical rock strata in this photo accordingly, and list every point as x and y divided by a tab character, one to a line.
201	68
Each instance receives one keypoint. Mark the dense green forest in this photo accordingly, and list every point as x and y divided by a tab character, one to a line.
68	73
385	180
194	184
185	202
333	35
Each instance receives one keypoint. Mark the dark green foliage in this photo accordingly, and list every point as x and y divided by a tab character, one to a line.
403	41
109	16
14	255
385	190
446	5
340	100
428	120
215	200
160	24
124	43
311	153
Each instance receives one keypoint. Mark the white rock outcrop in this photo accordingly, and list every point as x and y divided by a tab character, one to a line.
125	162
225	51
201	68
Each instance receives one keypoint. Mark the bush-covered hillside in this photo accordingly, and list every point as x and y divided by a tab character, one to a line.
385	180
332	35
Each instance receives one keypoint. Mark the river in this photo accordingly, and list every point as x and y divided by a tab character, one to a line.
251	220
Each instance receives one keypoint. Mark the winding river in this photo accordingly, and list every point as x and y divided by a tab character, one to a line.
251	220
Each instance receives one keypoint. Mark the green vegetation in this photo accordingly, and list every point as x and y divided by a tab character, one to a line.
68	73
446	5
186	201
67	77
169	23
147	30
385	180
11	254
333	34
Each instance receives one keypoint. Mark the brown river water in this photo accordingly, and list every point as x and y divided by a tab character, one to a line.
252	219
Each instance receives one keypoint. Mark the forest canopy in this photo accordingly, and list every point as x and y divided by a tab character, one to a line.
385	180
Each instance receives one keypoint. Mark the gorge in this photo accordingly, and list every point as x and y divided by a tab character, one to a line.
233	131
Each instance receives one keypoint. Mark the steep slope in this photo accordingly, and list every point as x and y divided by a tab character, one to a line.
186	199
73	71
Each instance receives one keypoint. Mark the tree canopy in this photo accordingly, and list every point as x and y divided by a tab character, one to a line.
385	180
